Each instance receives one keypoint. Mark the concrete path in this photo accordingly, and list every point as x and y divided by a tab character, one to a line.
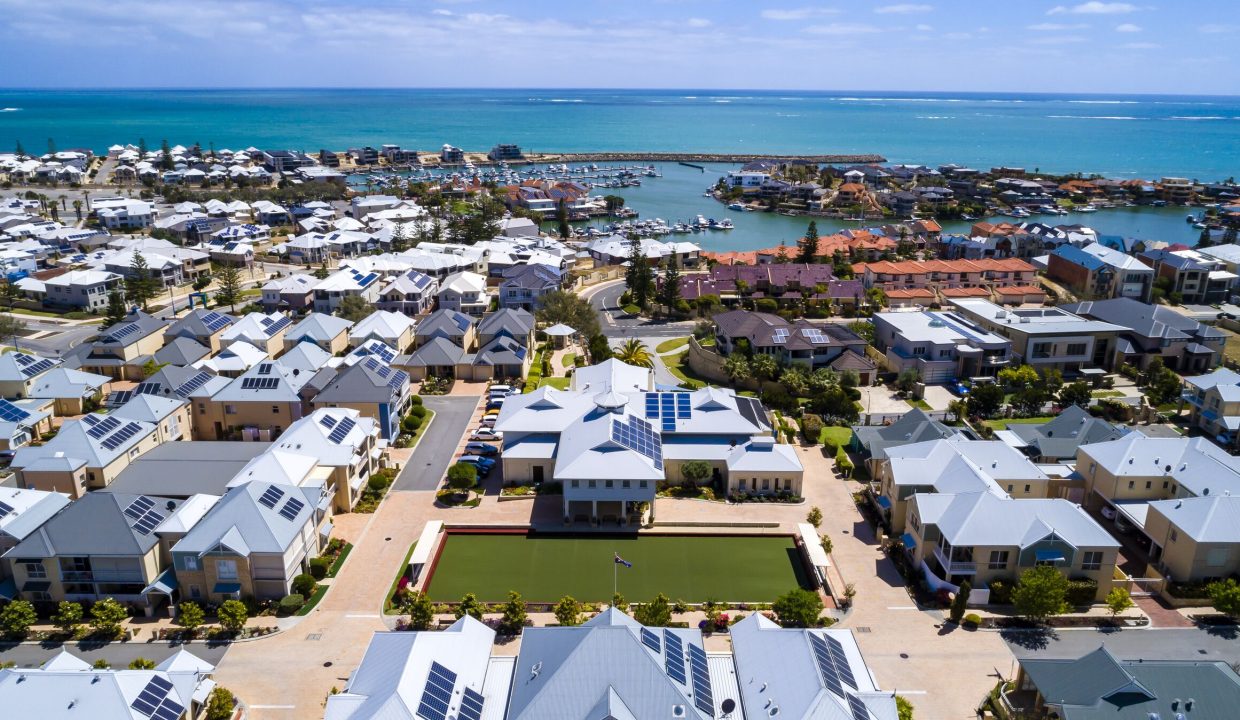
1161	615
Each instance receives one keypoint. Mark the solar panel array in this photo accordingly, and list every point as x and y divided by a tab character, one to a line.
260	383
651	640
98	426
291	508
273	326
264	368
116	398
215	321
395	378
702	696
779	336
327	421
471	705
5	509
674	660
836	648
121	436
379	349
11	413
832	666
639	436
342	430
270	497
438	693
193	384
31	365
668	407
154	701
815	336
120	332
149	388
859	711
143	514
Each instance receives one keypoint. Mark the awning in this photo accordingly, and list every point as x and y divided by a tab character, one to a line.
226	589
36	586
1093	372
910	542
165	583
1011	439
326	529
8	589
813	545
1049	555
426	542
884	502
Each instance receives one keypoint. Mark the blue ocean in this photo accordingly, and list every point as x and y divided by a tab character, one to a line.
1119	136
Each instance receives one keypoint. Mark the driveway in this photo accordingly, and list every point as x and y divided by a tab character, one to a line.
882	401
435	451
938	397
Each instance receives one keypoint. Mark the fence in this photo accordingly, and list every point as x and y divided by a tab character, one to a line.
884	418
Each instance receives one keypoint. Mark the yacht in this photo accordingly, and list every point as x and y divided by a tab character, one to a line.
1087	209
736	206
725	224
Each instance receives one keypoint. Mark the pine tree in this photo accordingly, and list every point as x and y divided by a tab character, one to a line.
228	282
808	245
561	219
669	294
165	155
140	287
51	146
116	308
142	149
400	240
1229	235
18	150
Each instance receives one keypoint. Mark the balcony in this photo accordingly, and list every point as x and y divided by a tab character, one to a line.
100	576
954	568
1191	398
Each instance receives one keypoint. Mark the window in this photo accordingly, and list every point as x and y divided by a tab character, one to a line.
1092	560
1217	557
766	483
275	409
1027	488
998	559
34	569
190	562
645	484
610	483
594	483
194	592
1010	488
1042	349
1165	484
230	409
226	569
626	484
1149	484
1131	484
1092	467
919	351
1076	348
741	485
576	483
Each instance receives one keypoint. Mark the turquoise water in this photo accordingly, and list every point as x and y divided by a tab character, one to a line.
1120	136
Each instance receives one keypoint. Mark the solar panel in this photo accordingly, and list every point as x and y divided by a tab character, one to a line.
779	336
214	321
193	384
120	333
398	379
264	369
859	711
669	422
277	326
471	705
291	508
139	506
826	667
342	430
5	509
154	697
652	406
271	496
702	696
146	524
836	649
102	426
149	388
260	383
639	436
122	435
11	413
651	640
327	421
437	694
674	659
37	367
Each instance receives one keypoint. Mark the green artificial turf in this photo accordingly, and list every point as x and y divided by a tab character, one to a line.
545	568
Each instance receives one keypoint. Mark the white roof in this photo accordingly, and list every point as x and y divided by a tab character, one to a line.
983	519
383	325
464	283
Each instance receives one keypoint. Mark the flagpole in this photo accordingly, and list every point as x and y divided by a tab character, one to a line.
615	572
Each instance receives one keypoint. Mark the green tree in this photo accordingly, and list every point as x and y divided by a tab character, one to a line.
513	621
619	603
736	366
9	292
763	366
807	247
798	608
1018	376
165	155
598	348
233	615
142	664
569	309
634	352
567	611
960	603
304	585
864	329
140	285
18	150
462	476
142	149
399	241
101	664
106	617
11	327
1041	593
68	615
17	617
561	220
1118	600
904	708
1225	597
1163	387
639	277
421	610
1028	401
835	405
470	606
228	285
696	471
354	308
656	613
221	704
985	399
907	380
116	311
1077	393
815	516
190	616
669	291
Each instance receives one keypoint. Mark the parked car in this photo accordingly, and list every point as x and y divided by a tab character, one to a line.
495	405
486	433
488	421
499	390
484	465
480	448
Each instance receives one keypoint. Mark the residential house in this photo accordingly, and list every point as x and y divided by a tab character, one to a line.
412	293
392	328
293	293
914	426
344	441
374	389
265	332
801	342
259	404
85	454
981	537
1057	440
20	372
346	282
1214	405
123	349
1046	337
22	421
452	325
1098	272
611	440
85	289
524	285
73	392
465	292
938	274
1156	331
940	345
1199	537
202	326
170	415
329	332
1194	277
27	511
124	214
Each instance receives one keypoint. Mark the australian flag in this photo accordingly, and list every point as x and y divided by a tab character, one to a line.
621	561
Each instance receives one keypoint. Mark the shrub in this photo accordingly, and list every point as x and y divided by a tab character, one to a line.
567	611
233	615
189	616
811	428
1118	600
469	605
656	613
1082	591
514	614
291	603
68	615
416	400
1041	593
17	617
319	567
814	517
107	616
798	608
421	611
1000	592
972	620
220	704
101	664
411	424
960	602
304	584
1225	597
462	476
417	411
142	664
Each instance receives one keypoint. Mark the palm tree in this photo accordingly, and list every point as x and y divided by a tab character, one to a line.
634	352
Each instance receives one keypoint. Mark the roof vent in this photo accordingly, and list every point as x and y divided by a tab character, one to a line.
1189	705
1175	704
172	504
678	711
1205	491
1167	469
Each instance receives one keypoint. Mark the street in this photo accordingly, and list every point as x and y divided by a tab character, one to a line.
605	298
428	464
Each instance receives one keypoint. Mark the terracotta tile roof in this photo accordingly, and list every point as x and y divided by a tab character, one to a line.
910	294
964	292
1020	290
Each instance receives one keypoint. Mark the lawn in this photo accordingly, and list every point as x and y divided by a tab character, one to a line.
918	403
1106	394
1002	424
670	345
676	365
838	436
559	383
693	569
568	360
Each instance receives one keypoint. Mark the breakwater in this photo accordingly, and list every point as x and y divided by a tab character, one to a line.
712	157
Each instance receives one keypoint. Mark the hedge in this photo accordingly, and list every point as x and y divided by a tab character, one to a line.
1082	591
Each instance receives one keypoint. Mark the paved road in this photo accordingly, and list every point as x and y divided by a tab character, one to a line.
118	654
429	463
615	324
1193	644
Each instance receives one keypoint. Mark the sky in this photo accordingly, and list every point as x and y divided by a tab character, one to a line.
1177	46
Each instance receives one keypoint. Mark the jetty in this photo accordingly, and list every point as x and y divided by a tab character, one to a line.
732	158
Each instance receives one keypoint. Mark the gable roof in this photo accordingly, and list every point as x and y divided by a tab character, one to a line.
244	525
181	351
383	325
368	381
318	327
18	366
516	323
94	440
438	352
1060	437
445	323
913	426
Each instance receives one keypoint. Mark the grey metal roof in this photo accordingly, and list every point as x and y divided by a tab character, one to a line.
364	382
75	442
62	382
181	469
133	328
306	356
95	524
1060	437
11	369
530	277
501	351
1151	321
912	427
181	351
319	327
445	323
194	324
258	528
439	352
516	323
984	519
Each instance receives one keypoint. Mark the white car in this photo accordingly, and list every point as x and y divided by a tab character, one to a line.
485	433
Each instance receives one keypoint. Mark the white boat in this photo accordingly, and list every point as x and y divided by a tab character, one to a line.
701	222
736	206
1087	209
725	224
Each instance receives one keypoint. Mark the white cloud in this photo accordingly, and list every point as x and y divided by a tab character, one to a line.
796	13
1140	46
925	28
1216	29
1094	8
1128	28
842	29
698	22
1056	27
1058	40
442	12
903	9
